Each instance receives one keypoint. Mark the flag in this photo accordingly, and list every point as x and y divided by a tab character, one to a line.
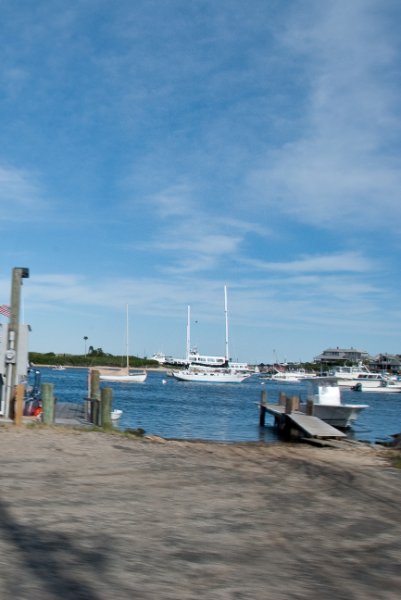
5	310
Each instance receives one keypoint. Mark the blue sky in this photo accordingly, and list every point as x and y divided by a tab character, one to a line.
154	151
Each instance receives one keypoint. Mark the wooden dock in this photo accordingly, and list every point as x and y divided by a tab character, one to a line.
293	423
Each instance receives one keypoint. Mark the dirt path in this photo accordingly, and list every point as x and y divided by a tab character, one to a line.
99	516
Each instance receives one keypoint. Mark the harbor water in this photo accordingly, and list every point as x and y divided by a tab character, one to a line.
168	408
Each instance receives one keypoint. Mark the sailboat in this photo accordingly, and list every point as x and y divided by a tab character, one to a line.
210	369
123	375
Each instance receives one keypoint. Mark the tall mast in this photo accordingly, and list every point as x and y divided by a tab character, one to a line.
188	332
226	317
126	338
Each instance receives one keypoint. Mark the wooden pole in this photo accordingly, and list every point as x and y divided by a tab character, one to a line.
310	407
47	403
19	404
291	404
262	408
282	398
94	395
106	403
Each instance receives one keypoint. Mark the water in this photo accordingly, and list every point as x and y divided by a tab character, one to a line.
218	412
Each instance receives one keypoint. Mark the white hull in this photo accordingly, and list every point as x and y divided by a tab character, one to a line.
379	390
210	376
140	378
329	408
287	379
349	383
295	376
116	414
342	416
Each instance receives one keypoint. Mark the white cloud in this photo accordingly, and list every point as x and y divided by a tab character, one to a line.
338	262
342	168
21	197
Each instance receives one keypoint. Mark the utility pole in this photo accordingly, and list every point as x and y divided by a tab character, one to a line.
11	354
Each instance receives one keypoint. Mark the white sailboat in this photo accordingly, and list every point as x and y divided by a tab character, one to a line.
213	369
123	375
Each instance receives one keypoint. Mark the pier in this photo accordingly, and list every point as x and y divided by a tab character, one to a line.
293	423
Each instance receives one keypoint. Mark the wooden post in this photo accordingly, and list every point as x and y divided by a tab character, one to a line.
94	391
262	408
94	395
106	403
310	407
19	404
47	403
282	398
291	404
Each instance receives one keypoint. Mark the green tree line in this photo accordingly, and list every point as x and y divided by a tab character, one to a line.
94	358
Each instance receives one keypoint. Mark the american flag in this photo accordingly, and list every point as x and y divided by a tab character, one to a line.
5	310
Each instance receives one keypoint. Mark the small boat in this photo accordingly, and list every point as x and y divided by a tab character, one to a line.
122	375
116	414
295	376
386	388
115	375
58	368
329	408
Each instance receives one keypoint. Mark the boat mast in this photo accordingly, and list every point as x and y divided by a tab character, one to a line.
126	338
188	333
226	317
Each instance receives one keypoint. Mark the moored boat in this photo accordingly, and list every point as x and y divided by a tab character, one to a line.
349	376
294	376
212	369
124	374
210	375
328	407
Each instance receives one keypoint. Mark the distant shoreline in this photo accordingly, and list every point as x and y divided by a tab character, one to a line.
54	367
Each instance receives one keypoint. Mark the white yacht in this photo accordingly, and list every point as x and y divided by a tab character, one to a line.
295	376
349	376
207	375
211	369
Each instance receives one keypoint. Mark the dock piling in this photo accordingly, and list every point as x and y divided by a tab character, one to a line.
47	403
262	408
19	403
105	407
310	407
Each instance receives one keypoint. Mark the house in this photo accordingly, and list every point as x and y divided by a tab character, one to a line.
391	363
338	355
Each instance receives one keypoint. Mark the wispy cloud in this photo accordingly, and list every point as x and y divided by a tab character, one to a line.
21	196
342	167
338	262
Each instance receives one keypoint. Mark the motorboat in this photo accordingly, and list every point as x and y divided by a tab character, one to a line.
295	376
349	376
328	407
116	414
388	386
166	360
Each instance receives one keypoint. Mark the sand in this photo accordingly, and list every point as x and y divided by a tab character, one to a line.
99	516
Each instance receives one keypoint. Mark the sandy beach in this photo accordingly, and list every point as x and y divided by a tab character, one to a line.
97	516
